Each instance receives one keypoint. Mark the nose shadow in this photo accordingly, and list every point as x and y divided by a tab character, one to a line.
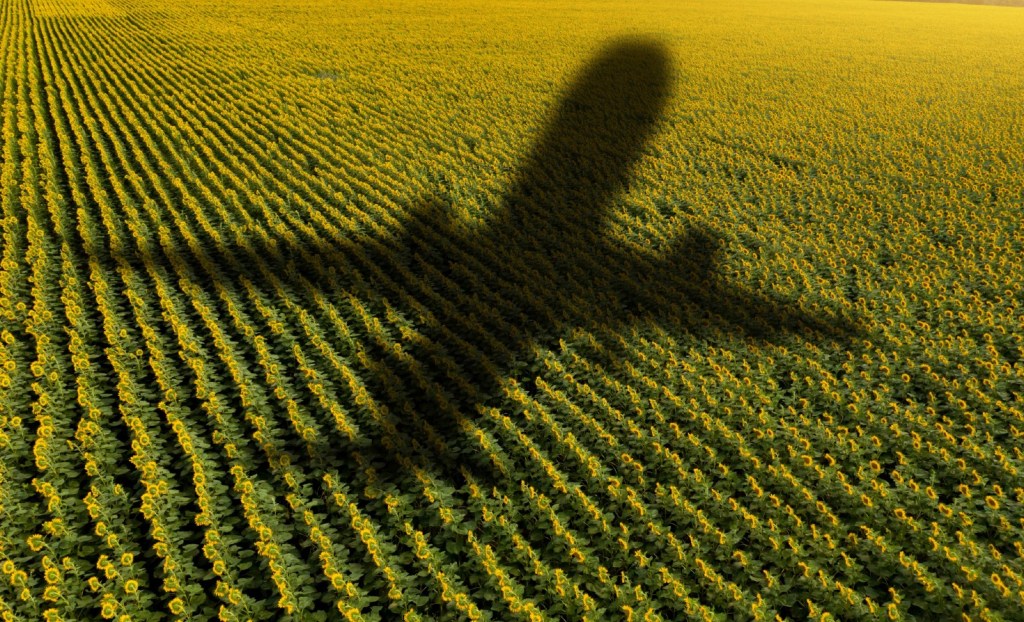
474	299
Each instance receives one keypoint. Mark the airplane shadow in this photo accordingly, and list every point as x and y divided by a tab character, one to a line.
478	298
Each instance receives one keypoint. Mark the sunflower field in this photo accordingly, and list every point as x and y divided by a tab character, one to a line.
511	310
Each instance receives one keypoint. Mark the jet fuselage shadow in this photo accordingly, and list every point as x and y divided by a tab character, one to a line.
480	297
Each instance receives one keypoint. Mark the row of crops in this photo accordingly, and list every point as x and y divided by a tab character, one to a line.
392	311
